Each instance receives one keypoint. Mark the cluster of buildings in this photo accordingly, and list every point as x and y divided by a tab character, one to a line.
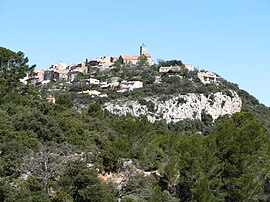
113	83
59	72
68	73
63	72
205	76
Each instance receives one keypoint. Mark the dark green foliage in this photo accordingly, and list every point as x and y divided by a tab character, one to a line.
64	101
148	76
206	118
95	109
62	196
169	63
13	67
77	87
28	190
151	106
82	184
80	76
242	146
142	61
142	101
62	148
117	64
192	167
188	126
181	101
33	120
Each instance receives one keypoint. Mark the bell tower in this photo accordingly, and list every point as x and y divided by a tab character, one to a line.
143	49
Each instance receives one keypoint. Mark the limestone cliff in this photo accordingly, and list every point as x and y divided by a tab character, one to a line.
178	107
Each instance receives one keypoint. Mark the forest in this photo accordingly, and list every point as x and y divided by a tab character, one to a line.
56	152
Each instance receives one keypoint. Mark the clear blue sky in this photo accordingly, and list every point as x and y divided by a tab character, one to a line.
230	37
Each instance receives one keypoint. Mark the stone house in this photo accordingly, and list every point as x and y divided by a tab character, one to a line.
208	77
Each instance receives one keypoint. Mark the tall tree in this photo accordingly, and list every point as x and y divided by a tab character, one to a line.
142	61
243	147
83	185
13	67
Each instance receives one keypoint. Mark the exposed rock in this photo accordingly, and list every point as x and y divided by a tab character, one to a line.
178	107
126	170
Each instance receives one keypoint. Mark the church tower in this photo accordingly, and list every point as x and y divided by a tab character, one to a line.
143	49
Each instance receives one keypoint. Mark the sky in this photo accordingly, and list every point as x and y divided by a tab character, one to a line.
230	37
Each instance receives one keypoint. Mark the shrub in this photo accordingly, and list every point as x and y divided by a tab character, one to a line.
181	100
151	106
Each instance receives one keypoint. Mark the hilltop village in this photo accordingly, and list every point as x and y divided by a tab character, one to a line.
89	72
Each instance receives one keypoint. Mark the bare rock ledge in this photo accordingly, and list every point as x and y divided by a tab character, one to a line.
178	107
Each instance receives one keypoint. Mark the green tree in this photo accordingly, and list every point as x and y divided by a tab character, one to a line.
142	61
83	184
4	190
168	63
148	76
13	67
138	188
193	172
242	146
95	109
206	118
117	64
64	100
62	196
80	76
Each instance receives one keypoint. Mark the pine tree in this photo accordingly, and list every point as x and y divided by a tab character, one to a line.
13	67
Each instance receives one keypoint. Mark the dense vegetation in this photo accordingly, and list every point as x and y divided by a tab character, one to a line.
54	152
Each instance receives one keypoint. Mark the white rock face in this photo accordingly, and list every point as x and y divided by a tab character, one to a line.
179	107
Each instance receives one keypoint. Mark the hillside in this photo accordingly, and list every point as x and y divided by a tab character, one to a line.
175	138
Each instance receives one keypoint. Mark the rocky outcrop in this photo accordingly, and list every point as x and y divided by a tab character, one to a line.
127	169
178	107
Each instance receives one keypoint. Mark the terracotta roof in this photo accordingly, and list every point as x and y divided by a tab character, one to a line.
79	69
208	74
130	57
62	71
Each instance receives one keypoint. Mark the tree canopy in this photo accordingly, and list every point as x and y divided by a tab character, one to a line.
55	152
13	67
168	63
